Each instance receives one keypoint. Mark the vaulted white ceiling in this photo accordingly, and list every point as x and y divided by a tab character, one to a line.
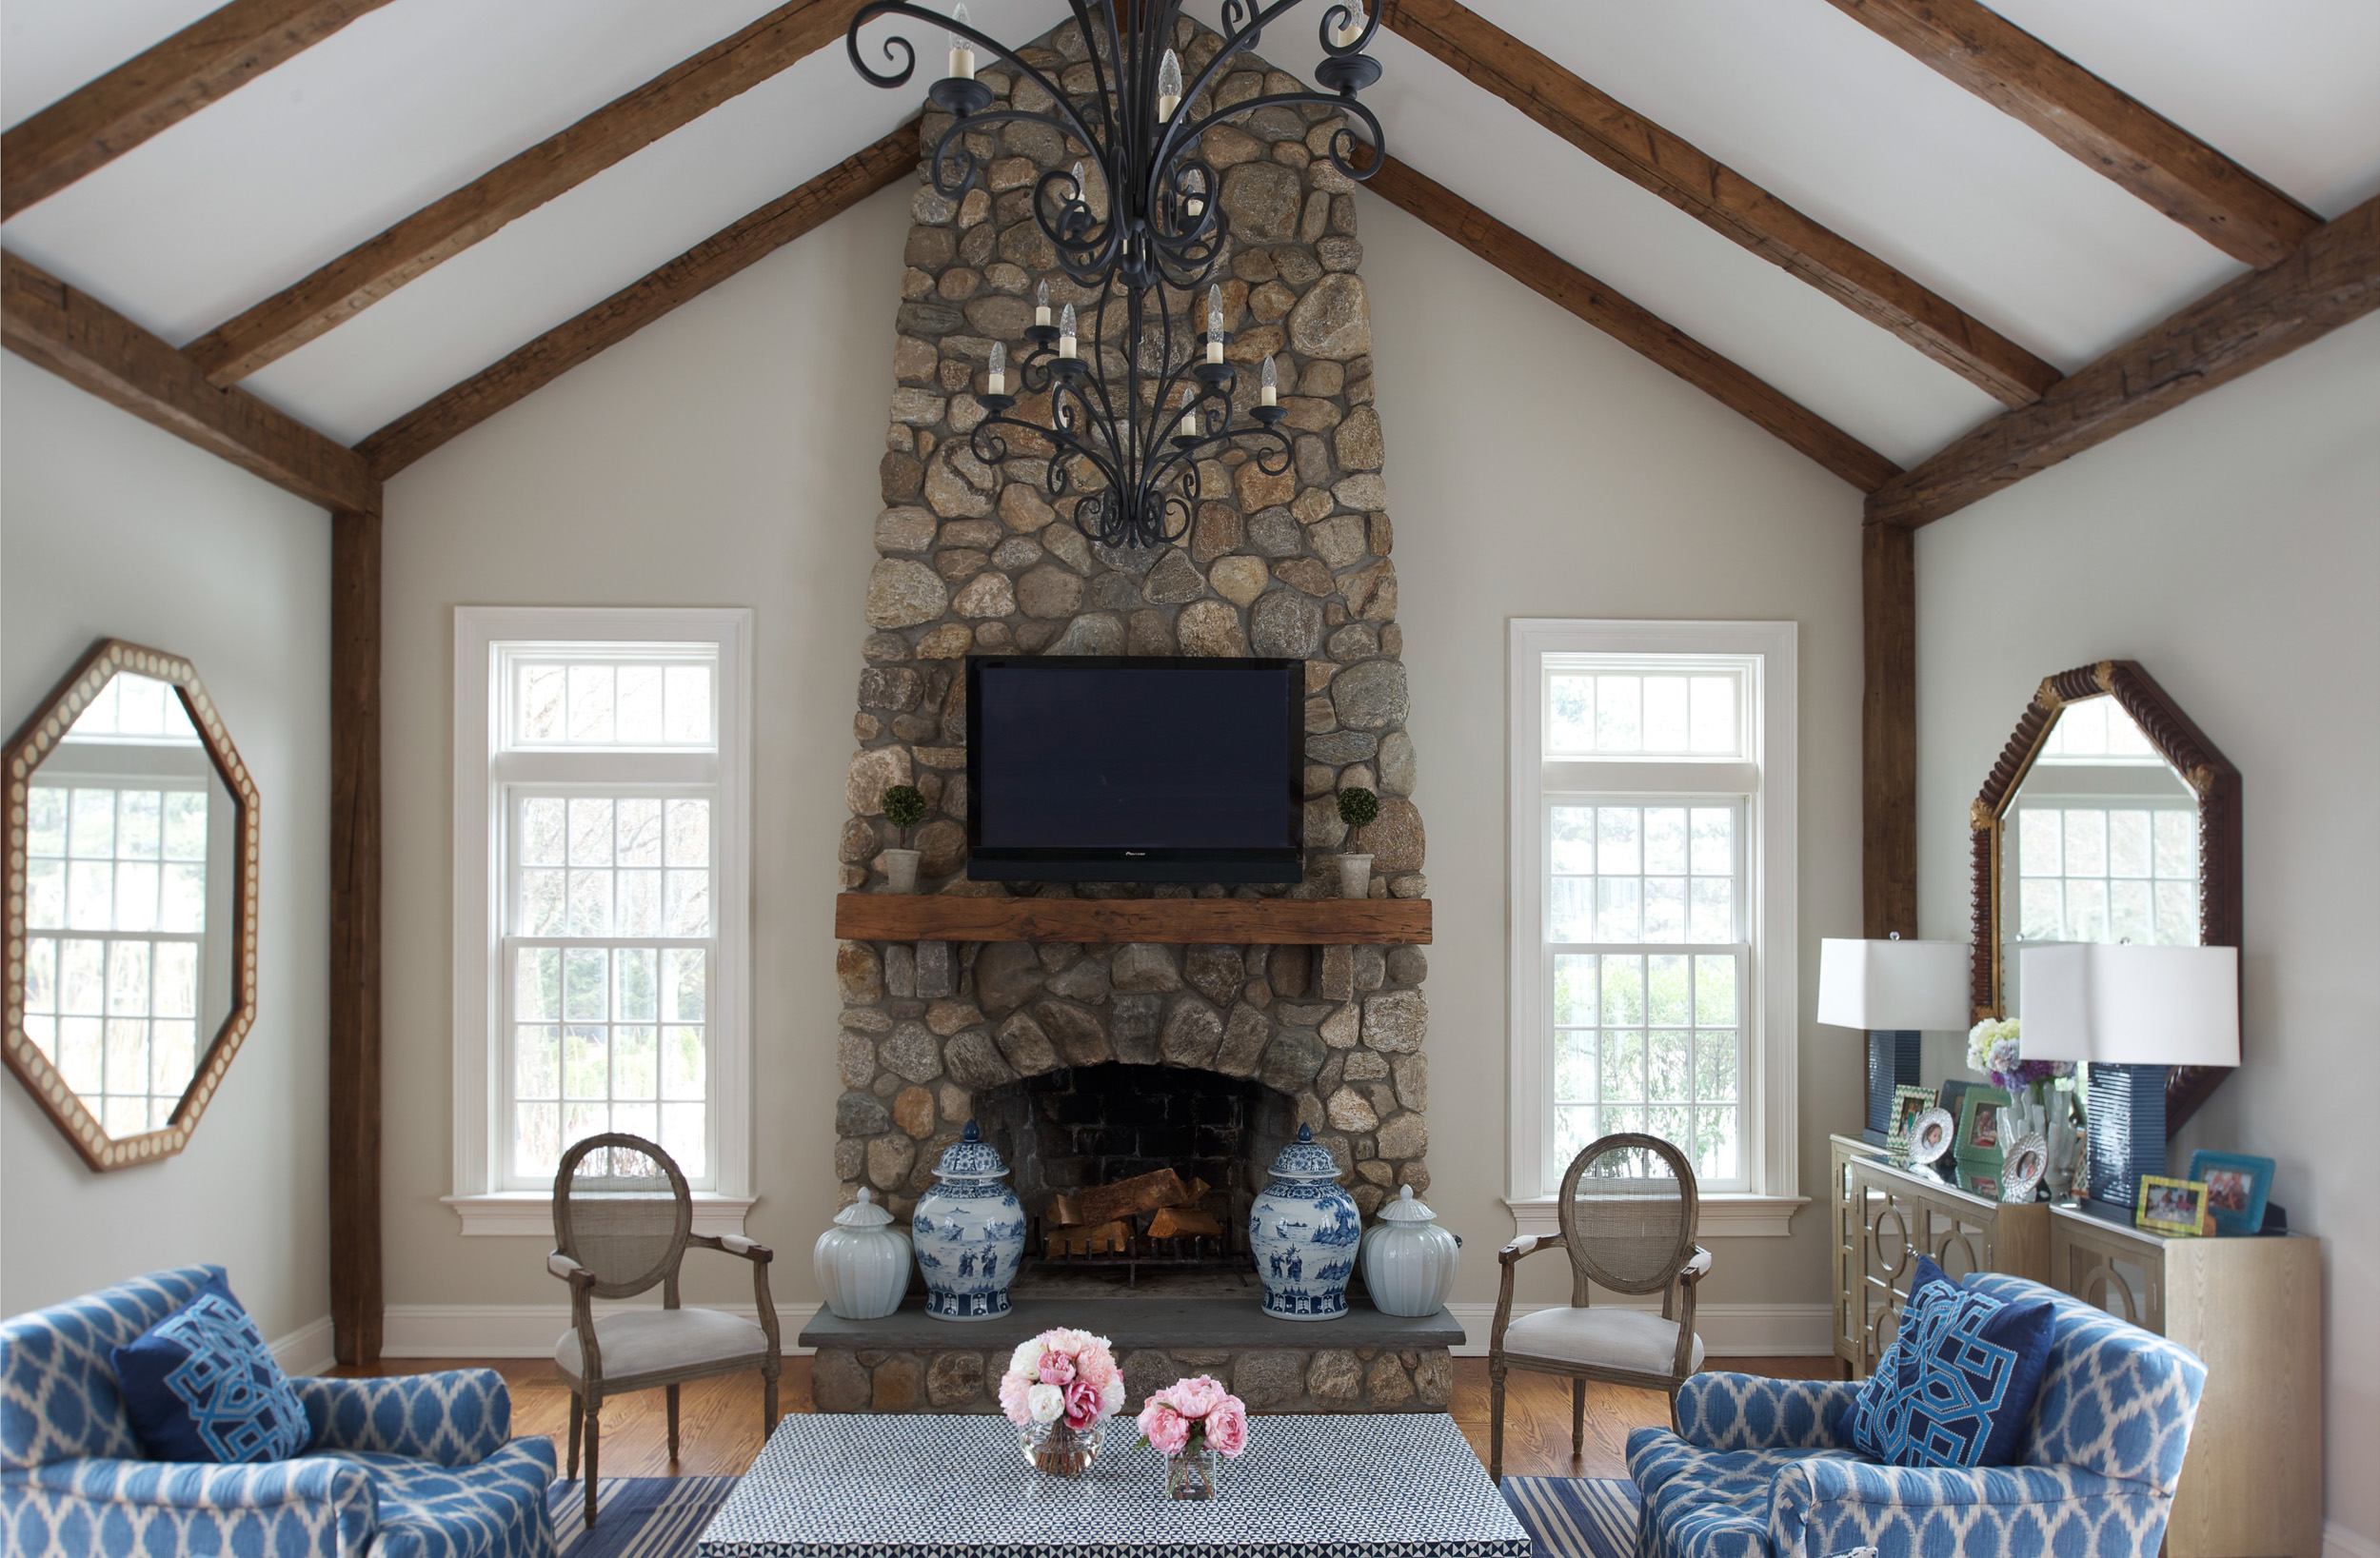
420	96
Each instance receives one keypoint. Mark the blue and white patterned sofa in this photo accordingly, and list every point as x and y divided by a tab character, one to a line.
1756	1471
418	1466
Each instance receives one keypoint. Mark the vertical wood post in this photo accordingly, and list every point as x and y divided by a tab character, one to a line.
1887	731
355	1029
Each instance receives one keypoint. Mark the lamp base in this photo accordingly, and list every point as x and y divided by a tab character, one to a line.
1893	1061
2126	1131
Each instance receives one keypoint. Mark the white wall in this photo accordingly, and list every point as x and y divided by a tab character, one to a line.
726	455
109	527
2231	547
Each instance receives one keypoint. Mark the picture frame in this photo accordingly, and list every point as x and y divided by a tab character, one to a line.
2237	1189
1908	1103
2176	1208
2028	1159
1983	1139
1930	1135
1951	1093
1983	1182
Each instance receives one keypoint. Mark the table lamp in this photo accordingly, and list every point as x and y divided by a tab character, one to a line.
2130	1011
1893	989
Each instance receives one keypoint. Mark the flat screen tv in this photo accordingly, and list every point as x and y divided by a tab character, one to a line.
1135	769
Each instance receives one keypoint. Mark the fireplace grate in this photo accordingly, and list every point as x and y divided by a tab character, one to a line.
1222	1251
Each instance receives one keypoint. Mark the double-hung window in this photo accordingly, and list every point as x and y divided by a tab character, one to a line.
1653	912
602	937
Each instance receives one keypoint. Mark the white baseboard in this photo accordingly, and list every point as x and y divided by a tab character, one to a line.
516	1331
2339	1542
310	1349
1731	1330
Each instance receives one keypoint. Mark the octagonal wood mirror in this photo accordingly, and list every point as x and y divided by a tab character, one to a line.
132	904
2109	817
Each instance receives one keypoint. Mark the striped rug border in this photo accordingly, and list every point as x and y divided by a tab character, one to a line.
1577	1517
669	1514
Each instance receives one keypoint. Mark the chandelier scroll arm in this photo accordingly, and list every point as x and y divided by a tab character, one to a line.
877	10
1352	106
1339	12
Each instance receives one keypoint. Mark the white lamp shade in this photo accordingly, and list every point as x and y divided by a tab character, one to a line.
1896	985
2133	1005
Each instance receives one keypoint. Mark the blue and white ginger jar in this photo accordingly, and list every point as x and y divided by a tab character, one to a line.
1304	1230
969	1234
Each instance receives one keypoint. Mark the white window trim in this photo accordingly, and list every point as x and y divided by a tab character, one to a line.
478	706
1771	1115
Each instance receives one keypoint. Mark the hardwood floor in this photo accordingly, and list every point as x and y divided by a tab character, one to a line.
719	1429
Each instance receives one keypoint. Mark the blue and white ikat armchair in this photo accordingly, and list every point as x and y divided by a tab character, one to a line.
1755	1469
418	1466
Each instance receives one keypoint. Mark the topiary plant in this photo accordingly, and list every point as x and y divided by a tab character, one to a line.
1358	807
904	808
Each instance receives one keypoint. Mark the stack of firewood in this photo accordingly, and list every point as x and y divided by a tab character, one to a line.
1104	1219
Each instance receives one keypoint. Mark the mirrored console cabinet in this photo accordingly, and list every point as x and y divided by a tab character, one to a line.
2250	1308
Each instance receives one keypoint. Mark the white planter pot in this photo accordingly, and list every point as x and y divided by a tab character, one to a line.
1355	875
862	1262
901	870
1408	1260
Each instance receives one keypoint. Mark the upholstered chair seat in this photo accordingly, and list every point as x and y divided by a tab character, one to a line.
680	1344
1610	1338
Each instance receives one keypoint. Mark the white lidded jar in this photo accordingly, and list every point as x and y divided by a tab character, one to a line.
1409	1261
862	1262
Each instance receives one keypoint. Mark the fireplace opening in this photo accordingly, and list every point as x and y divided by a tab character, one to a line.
1069	1136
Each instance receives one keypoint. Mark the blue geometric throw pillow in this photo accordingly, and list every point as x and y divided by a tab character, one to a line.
200	1385
1956	1387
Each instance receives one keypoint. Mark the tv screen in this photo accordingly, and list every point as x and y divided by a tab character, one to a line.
1099	768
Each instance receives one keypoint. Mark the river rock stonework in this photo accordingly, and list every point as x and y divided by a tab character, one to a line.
979	559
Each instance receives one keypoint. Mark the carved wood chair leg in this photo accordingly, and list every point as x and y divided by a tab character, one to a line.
578	1426
1496	1421
671	1391
768	1404
594	1433
1673	1409
1577	1419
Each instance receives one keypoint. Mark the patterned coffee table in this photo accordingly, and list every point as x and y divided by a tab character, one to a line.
858	1486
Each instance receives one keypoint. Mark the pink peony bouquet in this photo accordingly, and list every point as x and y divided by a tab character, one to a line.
1063	1373
1191	1412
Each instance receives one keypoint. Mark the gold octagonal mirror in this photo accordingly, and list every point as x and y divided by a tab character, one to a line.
132	904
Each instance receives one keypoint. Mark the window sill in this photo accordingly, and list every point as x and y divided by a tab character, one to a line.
525	1215
1720	1216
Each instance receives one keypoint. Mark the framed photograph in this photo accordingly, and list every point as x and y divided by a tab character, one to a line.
1979	1182
1908	1103
2176	1207
1930	1133
1982	1128
2237	1186
2028	1156
1954	1092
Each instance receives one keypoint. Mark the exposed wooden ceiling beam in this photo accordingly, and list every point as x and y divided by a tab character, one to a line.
93	347
2139	148
1543	272
439	232
629	310
213	56
2332	279
1717	195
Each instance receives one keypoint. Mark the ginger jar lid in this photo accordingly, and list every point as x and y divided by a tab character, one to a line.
863	1213
1305	1158
971	1157
1406	1210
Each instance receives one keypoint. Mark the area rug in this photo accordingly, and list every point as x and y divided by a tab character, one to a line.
636	1517
1575	1517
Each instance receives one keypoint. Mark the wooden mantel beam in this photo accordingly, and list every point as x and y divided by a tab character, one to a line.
446	227
2332	279
629	310
95	348
2132	144
1720	198
215	55
1543	272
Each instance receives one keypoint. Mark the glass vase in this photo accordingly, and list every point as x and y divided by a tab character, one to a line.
1191	1474
1056	1450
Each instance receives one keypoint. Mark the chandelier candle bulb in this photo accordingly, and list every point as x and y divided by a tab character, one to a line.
1269	390
1168	87
962	52
1214	324
1065	332
995	381
1041	304
1352	29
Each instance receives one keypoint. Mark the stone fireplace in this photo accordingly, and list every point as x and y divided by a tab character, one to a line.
975	558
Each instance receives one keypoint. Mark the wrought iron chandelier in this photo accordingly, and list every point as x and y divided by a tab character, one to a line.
1130	420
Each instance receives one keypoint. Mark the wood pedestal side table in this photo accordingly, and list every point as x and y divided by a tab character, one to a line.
1403	1485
